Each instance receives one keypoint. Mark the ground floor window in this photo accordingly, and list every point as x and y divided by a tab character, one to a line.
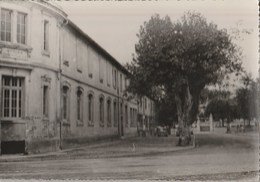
115	114
65	103
80	105
133	117
12	96
109	113
101	111
126	116
90	109
45	104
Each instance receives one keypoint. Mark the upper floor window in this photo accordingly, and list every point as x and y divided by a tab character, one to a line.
46	36
121	83
126	83
12	96
114	75
21	28
109	72
101	69
6	25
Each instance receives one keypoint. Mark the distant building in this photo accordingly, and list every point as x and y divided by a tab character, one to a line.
58	87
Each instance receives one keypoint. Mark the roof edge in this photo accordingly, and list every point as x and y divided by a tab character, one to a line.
97	46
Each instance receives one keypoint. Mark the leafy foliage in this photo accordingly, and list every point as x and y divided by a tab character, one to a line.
244	105
177	60
247	99
221	109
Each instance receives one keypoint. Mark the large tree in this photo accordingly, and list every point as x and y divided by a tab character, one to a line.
177	60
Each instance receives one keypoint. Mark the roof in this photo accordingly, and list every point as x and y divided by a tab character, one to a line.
101	50
93	43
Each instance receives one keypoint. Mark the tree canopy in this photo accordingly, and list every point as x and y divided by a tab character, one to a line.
176	60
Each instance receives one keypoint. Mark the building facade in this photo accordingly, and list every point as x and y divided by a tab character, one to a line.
58	87
146	116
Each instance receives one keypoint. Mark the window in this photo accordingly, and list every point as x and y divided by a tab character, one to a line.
65	103
21	28
80	106
126	83
121	113
108	113
126	116
135	117
91	58
101	111
101	69
114	77
6	25
108	70
81	54
121	83
12	96
131	117
45	102
115	114
90	110
46	36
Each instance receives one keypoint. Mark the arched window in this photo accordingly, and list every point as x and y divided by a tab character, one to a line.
65	103
109	113
80	105
101	111
131	117
90	109
115	114
126	116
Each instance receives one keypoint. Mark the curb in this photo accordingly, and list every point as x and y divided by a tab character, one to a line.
62	155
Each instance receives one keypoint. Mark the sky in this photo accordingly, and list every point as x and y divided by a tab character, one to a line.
114	24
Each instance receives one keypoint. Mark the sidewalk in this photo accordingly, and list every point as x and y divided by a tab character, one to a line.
130	147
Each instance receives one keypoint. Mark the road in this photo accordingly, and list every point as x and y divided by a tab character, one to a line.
216	157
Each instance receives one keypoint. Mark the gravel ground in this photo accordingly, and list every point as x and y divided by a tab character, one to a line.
219	157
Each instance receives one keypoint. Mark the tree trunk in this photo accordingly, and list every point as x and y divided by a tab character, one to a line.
183	100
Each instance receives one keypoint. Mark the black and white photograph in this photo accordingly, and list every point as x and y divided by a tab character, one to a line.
129	90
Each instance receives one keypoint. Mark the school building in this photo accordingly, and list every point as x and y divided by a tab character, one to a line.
58	87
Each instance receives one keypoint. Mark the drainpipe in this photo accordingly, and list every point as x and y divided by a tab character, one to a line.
59	78
118	109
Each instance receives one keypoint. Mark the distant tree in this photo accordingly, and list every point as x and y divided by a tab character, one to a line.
179	59
247	99
222	109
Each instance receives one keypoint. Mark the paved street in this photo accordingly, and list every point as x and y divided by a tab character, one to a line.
218	156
